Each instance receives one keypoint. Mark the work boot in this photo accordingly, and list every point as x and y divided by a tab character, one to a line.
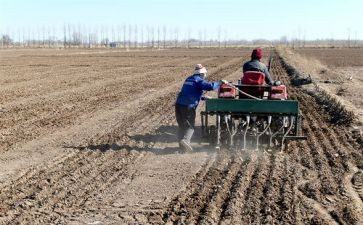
186	145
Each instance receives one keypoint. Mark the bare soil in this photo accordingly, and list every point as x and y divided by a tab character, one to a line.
88	137
336	57
341	74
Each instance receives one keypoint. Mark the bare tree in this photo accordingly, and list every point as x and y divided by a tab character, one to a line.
152	37
164	36
24	36
200	37
39	38
148	36
54	38
158	37
43	35
348	37
119	31
176	36
304	37
64	36
6	40
130	33
219	36
142	36
205	37
69	35
49	34
135	37
102	36
225	38
95	37
89	37
188	37
28	38
141	44
124	35
79	35
107	39
113	34
33	38
18	34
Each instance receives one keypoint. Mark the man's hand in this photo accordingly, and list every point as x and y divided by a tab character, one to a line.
277	83
205	97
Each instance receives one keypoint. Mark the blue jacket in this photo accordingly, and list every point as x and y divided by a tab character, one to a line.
192	90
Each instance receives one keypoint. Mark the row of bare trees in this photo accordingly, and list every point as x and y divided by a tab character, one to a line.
120	36
129	36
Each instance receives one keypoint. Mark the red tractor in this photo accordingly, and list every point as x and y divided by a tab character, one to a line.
253	83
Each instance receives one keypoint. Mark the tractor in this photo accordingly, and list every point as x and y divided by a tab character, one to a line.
251	115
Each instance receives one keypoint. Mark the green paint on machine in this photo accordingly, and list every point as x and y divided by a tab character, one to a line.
289	107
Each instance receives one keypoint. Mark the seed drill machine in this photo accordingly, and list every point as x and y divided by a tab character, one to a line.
251	115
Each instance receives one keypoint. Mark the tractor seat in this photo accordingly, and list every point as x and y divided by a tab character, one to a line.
253	78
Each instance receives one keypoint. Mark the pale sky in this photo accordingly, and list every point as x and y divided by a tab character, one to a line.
239	19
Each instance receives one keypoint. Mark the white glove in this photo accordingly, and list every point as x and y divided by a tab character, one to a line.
277	83
224	82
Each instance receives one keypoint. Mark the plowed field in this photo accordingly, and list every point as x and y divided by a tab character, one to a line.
341	74
88	137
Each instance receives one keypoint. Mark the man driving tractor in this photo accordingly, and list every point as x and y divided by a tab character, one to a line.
255	65
187	102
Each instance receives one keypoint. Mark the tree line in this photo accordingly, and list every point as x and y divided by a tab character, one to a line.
129	36
120	36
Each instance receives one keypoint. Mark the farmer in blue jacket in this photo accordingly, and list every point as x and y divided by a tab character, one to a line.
187	102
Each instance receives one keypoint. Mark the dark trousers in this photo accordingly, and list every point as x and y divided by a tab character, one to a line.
185	117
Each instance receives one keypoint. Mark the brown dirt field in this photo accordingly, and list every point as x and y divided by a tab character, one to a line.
88	137
341	74
336	57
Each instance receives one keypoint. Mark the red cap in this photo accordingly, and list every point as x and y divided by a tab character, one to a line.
257	53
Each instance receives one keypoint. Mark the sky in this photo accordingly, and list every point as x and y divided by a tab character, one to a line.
236	19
